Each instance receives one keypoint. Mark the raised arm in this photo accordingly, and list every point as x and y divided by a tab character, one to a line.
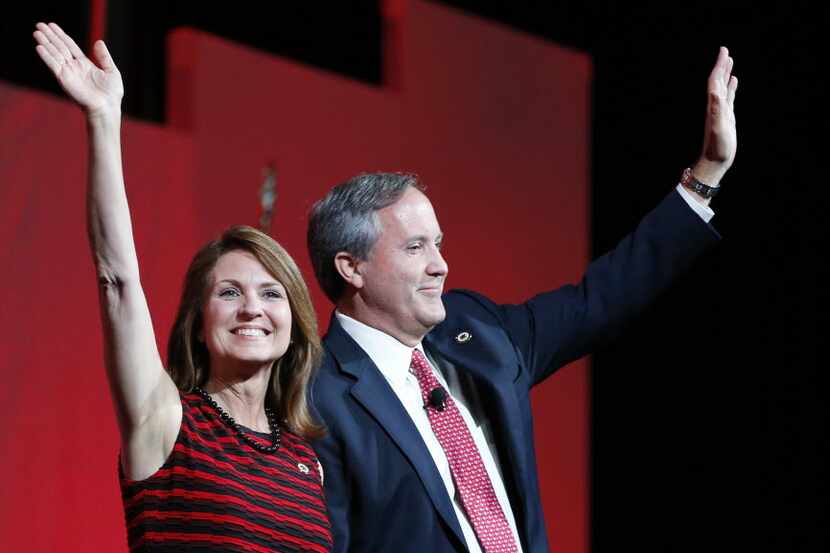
720	138
556	327
145	399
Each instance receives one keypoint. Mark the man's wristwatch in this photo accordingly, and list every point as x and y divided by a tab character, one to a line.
690	182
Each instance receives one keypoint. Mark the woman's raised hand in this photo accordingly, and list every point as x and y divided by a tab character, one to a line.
97	88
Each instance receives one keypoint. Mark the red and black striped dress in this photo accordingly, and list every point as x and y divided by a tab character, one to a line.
216	493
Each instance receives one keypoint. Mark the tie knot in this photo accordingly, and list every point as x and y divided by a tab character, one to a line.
419	361
419	364
431	390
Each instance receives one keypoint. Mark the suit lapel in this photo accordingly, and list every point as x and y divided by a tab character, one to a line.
373	392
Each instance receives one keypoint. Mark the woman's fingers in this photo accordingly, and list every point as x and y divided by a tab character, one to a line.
56	42
53	64
102	56
48	52
67	41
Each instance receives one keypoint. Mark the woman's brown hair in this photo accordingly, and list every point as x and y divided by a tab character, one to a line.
188	359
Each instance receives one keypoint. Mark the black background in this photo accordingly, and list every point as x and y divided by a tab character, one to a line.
709	420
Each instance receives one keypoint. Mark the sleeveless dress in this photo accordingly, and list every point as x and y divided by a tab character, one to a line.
217	493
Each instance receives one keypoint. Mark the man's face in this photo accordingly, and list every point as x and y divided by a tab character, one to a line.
403	278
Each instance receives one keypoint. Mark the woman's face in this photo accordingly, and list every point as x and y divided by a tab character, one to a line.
246	315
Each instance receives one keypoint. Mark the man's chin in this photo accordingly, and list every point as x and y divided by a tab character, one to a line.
434	317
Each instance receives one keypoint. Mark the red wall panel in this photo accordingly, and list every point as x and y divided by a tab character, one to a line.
494	121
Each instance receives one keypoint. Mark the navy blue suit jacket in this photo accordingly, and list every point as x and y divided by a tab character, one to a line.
383	490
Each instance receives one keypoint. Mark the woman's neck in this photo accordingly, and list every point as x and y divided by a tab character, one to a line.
241	395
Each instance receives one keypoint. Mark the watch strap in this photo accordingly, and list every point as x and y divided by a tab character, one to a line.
691	183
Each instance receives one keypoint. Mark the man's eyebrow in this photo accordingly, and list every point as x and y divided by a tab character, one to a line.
423	238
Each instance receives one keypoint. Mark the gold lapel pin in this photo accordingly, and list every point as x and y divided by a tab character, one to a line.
463	337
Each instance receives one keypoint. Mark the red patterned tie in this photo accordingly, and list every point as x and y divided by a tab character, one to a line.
471	479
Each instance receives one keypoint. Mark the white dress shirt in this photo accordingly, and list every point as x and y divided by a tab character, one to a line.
393	358
704	211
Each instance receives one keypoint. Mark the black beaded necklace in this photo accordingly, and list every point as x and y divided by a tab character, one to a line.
272	425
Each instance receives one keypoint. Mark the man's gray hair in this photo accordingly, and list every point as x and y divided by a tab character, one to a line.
346	221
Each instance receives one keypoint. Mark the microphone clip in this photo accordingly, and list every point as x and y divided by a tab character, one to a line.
437	398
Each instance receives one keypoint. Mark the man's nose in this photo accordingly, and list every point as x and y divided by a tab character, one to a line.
437	265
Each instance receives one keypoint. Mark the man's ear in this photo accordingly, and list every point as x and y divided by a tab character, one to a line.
349	268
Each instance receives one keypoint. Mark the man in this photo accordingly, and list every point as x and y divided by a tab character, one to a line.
425	395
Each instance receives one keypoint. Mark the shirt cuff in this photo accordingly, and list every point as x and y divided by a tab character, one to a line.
704	211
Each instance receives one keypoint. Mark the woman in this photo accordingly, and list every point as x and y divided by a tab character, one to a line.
213	453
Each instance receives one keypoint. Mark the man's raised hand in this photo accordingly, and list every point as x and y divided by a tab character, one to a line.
720	140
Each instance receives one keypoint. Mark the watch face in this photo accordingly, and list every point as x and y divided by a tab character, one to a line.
703	190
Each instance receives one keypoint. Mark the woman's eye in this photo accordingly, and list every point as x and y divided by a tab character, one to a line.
228	293
273	294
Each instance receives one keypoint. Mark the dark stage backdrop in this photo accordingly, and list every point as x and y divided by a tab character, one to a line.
708	423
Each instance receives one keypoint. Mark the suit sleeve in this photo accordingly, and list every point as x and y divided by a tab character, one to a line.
557	327
336	489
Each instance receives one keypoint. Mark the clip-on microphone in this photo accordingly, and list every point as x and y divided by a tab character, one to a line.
438	398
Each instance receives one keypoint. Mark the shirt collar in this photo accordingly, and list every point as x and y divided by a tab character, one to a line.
390	356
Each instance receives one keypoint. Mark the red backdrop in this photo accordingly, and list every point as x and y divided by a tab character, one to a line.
494	121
